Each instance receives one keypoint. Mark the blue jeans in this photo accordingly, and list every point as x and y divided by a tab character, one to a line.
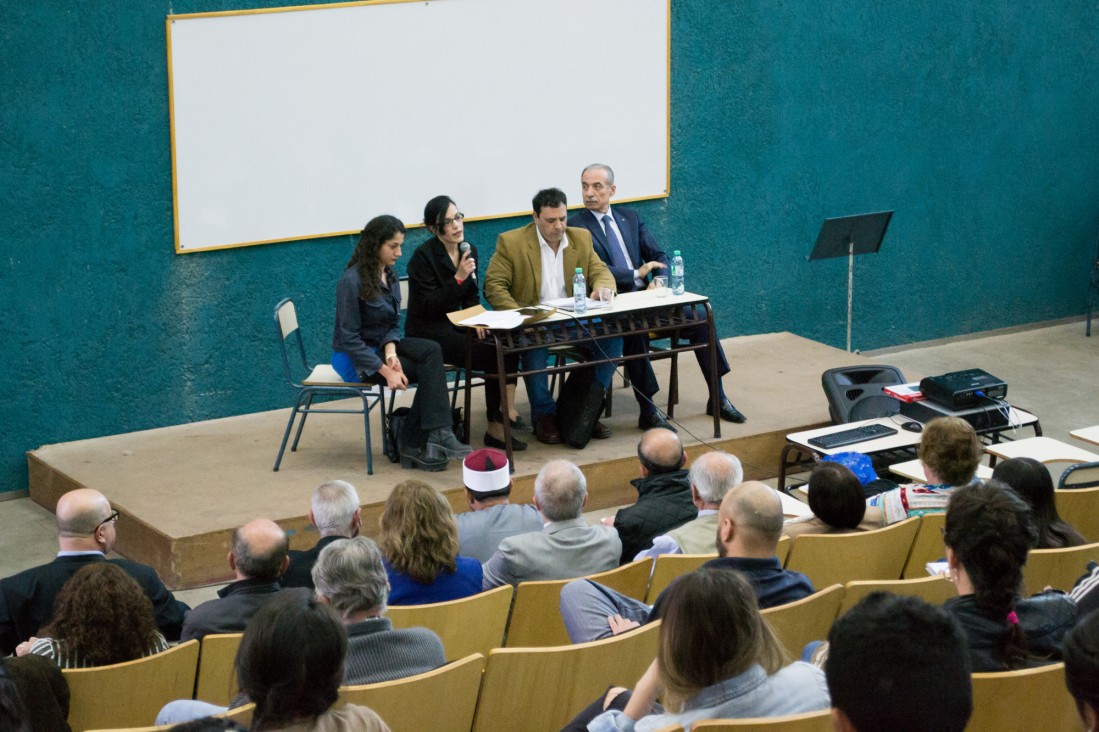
538	392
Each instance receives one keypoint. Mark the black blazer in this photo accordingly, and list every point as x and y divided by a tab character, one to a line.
27	598
433	292
300	571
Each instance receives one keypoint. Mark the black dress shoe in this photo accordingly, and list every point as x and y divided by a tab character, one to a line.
521	425
601	431
653	420
728	412
545	430
517	445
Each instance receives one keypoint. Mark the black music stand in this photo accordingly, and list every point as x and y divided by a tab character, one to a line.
848	236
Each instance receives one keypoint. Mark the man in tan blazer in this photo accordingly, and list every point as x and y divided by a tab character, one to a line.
536	264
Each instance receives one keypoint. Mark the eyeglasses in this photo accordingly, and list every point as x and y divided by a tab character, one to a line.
457	217
109	520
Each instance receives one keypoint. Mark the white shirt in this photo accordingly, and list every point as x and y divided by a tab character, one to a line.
637	281
553	269
665	544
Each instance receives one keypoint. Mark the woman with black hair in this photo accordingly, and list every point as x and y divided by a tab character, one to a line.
1031	480
442	278
368	348
1082	669
988	533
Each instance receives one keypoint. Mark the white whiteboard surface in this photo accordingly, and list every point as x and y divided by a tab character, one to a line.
309	121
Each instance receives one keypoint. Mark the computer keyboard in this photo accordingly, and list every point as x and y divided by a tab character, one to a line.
851	436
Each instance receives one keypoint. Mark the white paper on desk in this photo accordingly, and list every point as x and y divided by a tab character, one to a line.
793	507
504	319
567	303
937	569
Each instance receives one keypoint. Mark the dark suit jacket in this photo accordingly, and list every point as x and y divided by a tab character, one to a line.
26	599
433	292
639	242
232	610
299	574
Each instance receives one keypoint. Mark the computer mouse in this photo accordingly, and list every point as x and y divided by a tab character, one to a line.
912	426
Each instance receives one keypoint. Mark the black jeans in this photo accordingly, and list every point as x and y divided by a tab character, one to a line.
422	362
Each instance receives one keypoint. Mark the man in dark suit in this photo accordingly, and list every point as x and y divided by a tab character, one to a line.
633	257
85	533
335	512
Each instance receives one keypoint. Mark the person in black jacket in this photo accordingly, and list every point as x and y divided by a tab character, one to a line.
442	278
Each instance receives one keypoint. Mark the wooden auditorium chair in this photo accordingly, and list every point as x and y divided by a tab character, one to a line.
1080	507
217	678
935	590
926	547
809	619
1057	568
865	555
669	566
820	721
473	624
1023	701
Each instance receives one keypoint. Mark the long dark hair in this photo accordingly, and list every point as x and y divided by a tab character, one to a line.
13	714
1031	480
990	530
290	660
377	231
1081	653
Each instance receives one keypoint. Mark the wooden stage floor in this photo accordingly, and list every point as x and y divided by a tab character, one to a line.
181	490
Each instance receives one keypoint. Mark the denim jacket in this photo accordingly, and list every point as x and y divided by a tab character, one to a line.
363	327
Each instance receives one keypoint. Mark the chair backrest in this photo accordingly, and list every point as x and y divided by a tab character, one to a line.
1024	700
1080	507
798	623
536	689
536	613
820	721
670	566
474	624
442	700
855	392
404	292
1057	568
935	590
1080	475
286	329
217	682
839	558
927	546
782	550
130	694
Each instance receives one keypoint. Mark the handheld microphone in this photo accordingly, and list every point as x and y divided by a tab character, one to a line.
462	249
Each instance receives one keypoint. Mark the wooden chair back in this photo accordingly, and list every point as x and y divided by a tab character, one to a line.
474	624
536	614
820	721
1080	507
830	559
1022	701
442	700
935	590
1057	568
926	547
217	682
540	689
798	623
669	566
130	694
240	715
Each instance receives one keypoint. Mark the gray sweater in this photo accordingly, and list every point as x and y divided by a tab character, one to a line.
377	652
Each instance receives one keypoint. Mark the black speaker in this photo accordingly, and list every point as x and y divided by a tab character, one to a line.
855	392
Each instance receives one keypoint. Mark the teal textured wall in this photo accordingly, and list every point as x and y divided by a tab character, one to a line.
975	121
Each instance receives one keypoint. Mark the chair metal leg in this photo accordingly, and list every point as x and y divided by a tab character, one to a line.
286	433
301	425
366	423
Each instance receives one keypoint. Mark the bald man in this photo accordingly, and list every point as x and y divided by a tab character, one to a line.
85	534
749	524
258	558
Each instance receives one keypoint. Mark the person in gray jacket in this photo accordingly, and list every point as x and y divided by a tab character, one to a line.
567	546
492	517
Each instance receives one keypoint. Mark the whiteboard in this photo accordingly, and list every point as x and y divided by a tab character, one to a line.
309	121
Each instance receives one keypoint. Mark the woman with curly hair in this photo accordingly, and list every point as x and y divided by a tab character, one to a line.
368	348
1031	480
419	540
988	533
101	617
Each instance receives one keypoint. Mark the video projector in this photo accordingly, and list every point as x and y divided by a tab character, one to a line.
958	390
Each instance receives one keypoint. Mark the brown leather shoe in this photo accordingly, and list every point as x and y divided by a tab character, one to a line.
545	430
601	431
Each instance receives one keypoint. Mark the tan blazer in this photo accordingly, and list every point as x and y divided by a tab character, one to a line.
514	276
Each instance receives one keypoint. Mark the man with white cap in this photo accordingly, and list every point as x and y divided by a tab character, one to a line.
491	517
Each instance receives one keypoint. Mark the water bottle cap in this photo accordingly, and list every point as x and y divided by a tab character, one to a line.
675	253
579	270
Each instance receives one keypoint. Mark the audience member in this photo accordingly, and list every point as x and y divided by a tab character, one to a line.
101	617
258	557
13	715
749	527
491	517
664	497
717	659
988	533
711	476
420	542
34	696
898	664
949	453
1086	591
837	501
1081	652
290	663
335	512
566	546
1031	480
634	258
535	264
86	532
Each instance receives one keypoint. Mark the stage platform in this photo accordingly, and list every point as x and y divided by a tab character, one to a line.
181	490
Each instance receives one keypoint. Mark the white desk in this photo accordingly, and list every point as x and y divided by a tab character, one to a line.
1087	434
1042	449
913	470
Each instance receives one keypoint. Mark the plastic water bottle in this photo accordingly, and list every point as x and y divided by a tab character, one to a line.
677	274
579	292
